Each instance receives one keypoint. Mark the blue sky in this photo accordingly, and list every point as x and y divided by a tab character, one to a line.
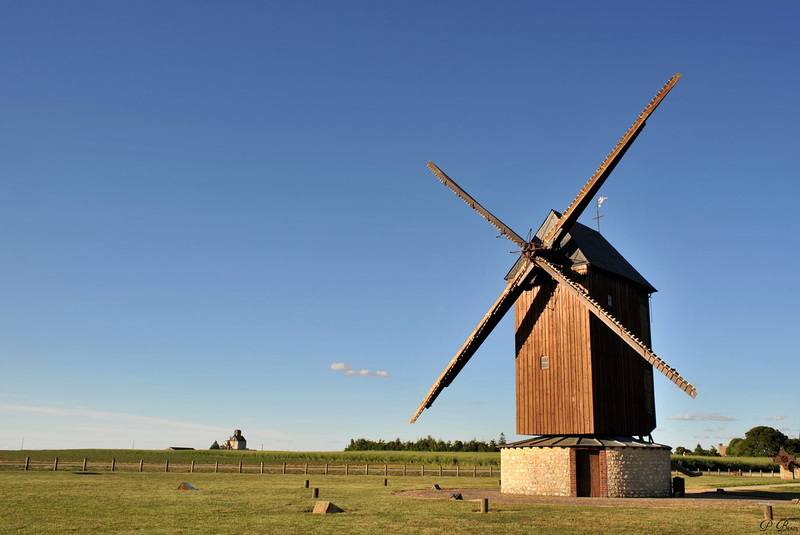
207	205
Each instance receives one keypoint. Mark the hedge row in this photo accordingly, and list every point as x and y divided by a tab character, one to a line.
696	462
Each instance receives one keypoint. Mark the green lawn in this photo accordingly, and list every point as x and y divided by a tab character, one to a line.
128	502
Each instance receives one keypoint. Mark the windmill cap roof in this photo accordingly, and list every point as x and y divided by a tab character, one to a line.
581	441
584	246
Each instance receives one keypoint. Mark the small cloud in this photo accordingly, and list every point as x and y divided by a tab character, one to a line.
704	417
777	417
715	418
348	370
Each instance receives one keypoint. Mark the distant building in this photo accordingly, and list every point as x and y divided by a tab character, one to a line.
237	441
722	450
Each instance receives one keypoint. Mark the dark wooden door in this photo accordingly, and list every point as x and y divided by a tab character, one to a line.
587	472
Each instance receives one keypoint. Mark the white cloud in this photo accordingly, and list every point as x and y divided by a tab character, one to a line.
704	417
715	418
777	417
348	370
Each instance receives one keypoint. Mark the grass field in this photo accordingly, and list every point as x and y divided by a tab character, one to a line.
427	458
127	502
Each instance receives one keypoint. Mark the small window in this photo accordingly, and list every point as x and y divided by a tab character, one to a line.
610	301
544	362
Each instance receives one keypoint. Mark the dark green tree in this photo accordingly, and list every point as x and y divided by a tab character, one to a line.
764	441
735	448
760	441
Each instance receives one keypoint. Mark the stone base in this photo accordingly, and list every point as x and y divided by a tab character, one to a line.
792	473
612	467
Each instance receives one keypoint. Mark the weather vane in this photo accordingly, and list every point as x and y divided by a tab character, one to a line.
598	216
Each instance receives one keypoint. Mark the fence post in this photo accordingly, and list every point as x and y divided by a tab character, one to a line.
191	468
262	467
404	470
440	470
386	469
141	465
84	464
305	469
27	463
458	471
422	470
113	464
283	470
490	471
484	505
366	469
240	467
475	470
55	465
166	466
346	469
216	467
326	469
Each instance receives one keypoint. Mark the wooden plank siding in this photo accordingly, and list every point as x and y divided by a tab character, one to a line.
595	383
557	400
622	380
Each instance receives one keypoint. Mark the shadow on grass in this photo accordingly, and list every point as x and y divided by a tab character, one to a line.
767	494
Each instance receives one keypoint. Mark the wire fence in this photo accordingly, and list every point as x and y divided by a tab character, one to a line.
346	469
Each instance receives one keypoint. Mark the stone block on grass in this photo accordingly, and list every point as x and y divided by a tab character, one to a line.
325	508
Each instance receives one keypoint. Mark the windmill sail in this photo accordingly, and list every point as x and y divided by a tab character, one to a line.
499	309
637	345
475	205
590	189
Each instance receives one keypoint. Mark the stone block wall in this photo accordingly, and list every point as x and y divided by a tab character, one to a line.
536	471
638	473
551	471
792	473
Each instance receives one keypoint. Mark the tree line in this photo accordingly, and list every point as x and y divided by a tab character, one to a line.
760	441
425	444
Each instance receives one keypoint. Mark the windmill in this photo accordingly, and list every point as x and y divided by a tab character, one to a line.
583	363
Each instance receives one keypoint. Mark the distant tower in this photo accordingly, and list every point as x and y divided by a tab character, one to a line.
237	441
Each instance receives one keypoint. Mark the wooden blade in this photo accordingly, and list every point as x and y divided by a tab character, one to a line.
585	196
475	205
645	352
481	332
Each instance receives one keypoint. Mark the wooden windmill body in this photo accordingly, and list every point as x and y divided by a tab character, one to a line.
584	366
574	375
